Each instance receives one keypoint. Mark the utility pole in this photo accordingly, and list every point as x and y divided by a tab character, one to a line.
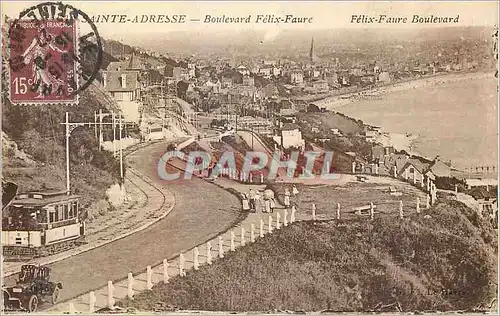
121	147
68	133
114	133
69	128
100	129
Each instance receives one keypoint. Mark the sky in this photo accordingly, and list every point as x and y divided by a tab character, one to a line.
325	15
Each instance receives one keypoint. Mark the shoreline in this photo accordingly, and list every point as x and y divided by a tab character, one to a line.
334	102
399	141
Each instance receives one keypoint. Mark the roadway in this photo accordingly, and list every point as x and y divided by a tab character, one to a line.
202	211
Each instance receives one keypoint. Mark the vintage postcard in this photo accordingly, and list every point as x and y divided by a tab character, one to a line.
249	157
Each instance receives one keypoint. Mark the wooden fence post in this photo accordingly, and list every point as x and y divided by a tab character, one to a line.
418	205
111	289
261	228
165	271
338	210
221	247
196	261
251	177
401	214
130	286
242	235
372	211
149	278
181	265
252	232
427	201
313	211
92	300
71	308
209	253
261	178
232	241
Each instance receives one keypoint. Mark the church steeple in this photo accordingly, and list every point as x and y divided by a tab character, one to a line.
311	51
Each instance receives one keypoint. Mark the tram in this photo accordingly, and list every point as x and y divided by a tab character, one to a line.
37	224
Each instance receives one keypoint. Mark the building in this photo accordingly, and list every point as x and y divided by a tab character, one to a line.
291	136
296	77
320	85
440	169
123	85
243	70
248	80
488	202
125	88
414	171
384	76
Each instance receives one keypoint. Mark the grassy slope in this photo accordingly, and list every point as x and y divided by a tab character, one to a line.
356	266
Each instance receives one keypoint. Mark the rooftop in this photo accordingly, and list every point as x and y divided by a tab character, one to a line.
33	199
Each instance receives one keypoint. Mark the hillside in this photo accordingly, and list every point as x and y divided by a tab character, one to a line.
35	156
446	262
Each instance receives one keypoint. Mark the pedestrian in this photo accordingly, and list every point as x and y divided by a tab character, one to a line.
257	203
287	198
294	191
252	195
244	202
272	204
267	208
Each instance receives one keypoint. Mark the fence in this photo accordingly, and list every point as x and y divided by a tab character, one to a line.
247	233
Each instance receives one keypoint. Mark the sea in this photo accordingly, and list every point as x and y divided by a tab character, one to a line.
457	121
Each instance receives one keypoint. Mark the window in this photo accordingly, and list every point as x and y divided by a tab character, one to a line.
412	170
60	209
74	208
118	96
66	211
52	217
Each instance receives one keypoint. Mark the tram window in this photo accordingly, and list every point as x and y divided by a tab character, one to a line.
41	216
60	210
52	217
66	211
56	216
74	207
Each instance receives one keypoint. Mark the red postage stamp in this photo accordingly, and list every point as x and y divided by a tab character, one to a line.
43	61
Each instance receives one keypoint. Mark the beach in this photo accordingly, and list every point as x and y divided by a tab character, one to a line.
453	116
334	102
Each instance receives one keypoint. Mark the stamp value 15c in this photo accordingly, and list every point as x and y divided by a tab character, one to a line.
43	67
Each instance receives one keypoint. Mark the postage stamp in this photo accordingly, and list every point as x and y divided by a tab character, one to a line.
42	62
49	62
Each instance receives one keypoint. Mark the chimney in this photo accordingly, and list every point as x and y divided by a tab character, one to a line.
124	80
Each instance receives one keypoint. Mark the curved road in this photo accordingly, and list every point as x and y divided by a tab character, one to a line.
202	210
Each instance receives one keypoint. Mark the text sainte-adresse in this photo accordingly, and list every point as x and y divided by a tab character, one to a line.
213	19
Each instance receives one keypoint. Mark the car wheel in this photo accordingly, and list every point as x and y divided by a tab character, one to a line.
32	304
55	295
